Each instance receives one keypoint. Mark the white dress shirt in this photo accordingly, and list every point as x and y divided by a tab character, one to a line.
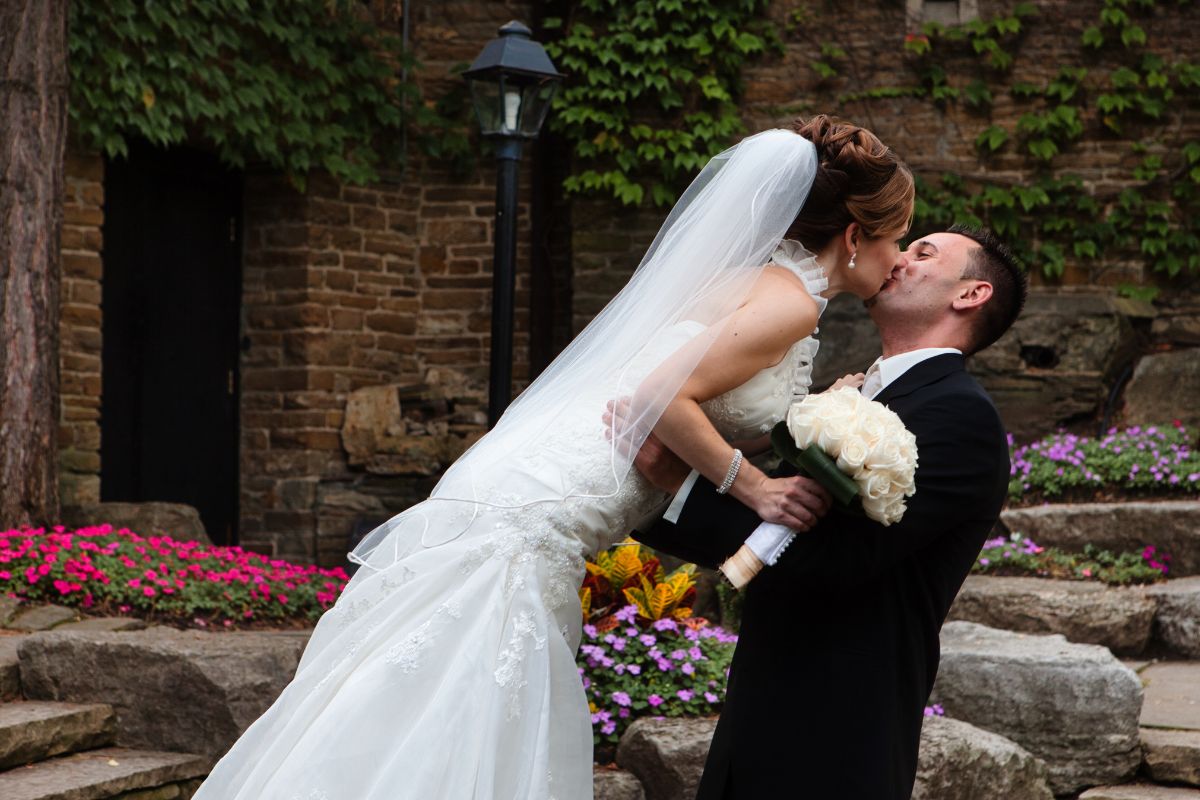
888	371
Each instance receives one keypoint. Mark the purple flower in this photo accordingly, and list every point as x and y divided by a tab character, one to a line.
666	625
608	728
631	632
655	701
687	668
648	639
627	614
590	630
623	713
634	669
710	697
685	695
983	562
621	699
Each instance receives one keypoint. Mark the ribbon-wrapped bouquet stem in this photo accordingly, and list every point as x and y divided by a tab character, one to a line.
856	448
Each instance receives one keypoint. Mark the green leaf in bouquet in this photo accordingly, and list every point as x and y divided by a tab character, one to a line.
816	464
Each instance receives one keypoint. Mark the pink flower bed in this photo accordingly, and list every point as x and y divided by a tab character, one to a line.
103	570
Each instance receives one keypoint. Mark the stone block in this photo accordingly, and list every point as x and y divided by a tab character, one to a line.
108	772
185	691
1058	360
667	755
1172	756
1177	621
1072	705
36	731
1171	526
1119	618
180	522
41	618
1140	791
10	668
1155	394
616	784
958	761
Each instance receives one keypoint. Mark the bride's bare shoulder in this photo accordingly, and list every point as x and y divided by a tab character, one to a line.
780	287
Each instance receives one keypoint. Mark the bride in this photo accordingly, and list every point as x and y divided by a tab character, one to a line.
447	667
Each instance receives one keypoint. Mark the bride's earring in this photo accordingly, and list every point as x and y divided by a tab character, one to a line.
851	264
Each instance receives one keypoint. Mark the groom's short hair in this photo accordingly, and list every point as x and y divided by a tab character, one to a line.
993	262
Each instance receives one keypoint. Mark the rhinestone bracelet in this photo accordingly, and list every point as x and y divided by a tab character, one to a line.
732	474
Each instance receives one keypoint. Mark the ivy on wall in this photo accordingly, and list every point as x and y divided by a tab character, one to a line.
651	91
654	83
298	85
1116	87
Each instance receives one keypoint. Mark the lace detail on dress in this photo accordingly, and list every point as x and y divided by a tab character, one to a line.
406	654
510	672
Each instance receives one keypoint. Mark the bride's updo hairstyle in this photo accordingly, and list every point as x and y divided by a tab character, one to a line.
859	179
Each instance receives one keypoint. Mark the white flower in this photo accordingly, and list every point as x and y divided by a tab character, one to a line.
853	454
869	443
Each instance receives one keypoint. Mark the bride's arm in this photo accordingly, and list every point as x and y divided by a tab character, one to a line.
756	336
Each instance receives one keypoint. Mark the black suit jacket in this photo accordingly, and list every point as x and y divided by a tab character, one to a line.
839	641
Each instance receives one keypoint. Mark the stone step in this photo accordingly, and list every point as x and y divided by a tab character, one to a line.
36	731
1172	695
1173	526
98	774
1119	618
1171	756
1140	791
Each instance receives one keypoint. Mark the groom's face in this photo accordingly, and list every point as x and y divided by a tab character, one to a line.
927	279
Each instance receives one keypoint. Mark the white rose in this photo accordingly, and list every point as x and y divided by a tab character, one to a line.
833	432
800	422
875	484
875	509
871	429
885	455
853	454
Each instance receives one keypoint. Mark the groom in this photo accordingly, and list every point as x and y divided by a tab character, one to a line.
838	646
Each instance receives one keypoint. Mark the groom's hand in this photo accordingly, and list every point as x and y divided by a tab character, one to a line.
658	465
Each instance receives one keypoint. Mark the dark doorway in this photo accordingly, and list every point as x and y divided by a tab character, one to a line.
172	296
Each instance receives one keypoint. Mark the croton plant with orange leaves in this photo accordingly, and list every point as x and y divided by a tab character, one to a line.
630	574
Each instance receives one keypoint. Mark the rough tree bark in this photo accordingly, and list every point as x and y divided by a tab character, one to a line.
33	125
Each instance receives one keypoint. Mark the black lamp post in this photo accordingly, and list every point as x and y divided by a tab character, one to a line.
512	83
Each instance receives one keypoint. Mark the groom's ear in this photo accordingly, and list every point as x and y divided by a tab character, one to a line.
973	294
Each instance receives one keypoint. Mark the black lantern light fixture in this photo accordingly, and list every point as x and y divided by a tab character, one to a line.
512	85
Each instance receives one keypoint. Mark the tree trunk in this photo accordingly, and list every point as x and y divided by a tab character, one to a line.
33	124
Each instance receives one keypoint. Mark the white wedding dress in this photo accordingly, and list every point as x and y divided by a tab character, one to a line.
450	671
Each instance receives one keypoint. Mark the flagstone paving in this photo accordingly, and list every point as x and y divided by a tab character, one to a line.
1172	695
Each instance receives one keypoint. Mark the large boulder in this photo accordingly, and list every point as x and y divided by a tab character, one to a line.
1059	359
1075	706
177	520
961	762
1153	396
667	755
1119	618
186	691
1171	526
1177	622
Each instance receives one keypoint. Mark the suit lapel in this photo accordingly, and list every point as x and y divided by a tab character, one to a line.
923	374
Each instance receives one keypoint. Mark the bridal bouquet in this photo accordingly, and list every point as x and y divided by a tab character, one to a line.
856	448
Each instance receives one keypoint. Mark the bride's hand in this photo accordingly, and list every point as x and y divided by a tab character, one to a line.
796	502
855	380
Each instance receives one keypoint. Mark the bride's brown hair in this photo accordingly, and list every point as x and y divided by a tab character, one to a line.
859	179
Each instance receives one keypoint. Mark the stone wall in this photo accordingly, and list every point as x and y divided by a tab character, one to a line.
348	288
80	330
1036	389
366	310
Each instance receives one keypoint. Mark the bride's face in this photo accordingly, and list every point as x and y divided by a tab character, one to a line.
874	260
